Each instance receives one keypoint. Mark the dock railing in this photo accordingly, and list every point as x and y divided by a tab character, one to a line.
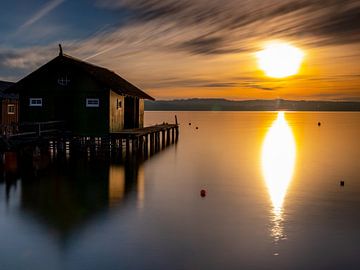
35	129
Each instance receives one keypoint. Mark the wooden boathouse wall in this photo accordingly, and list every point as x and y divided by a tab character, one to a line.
91	100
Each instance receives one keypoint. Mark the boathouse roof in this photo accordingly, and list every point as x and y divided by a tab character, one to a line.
102	75
3	86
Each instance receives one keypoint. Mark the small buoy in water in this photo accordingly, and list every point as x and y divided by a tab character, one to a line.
319	124
203	193
197	127
342	183
189	124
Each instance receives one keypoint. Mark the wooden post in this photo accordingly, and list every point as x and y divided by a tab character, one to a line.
121	147
167	137
113	146
127	141
163	139
151	143
172	135
134	145
146	146
92	146
141	147
157	141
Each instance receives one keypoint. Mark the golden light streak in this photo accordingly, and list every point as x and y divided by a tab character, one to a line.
278	161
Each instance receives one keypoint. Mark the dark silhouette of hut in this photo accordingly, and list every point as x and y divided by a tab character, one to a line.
91	100
9	105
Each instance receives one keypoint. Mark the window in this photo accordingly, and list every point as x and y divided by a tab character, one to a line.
118	104
63	81
92	102
35	102
11	108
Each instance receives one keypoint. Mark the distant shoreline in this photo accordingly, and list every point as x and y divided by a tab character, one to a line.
250	105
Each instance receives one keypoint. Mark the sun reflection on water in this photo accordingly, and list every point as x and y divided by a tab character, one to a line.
278	160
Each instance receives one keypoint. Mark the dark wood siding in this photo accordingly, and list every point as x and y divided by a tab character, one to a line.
131	108
116	109
8	118
141	113
67	102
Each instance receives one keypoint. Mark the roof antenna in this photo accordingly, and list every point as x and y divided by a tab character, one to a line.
61	51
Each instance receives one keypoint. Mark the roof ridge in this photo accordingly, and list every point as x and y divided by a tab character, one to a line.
85	62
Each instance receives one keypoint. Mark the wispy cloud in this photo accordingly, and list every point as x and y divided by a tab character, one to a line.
44	10
203	45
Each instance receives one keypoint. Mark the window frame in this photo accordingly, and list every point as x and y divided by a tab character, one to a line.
11	105
118	104
35	102
92	103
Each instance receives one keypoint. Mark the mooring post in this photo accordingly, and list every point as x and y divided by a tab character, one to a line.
176	133
172	135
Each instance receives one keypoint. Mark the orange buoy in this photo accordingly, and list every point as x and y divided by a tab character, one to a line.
197	127
203	193
189	124
319	124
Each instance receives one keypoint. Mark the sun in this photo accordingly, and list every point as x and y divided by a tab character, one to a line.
280	60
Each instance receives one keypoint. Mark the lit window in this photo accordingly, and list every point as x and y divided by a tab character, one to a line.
92	102
35	102
11	109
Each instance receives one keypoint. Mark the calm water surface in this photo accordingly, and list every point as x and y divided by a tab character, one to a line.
273	199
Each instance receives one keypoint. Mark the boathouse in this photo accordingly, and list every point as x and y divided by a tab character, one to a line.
9	105
89	99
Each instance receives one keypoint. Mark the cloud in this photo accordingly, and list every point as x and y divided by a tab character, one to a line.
24	59
203	44
312	22
46	9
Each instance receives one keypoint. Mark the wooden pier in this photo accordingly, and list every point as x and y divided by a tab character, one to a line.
52	136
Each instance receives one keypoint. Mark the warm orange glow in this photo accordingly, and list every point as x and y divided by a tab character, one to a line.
278	160
280	60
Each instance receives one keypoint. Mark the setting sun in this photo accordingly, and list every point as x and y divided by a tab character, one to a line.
280	60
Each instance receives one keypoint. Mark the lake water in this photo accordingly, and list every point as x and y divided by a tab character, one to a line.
273	199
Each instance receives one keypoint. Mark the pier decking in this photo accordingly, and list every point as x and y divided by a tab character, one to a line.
146	140
142	142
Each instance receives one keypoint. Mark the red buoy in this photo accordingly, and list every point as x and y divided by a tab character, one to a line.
203	193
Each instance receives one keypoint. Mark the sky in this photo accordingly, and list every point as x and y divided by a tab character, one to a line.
175	49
